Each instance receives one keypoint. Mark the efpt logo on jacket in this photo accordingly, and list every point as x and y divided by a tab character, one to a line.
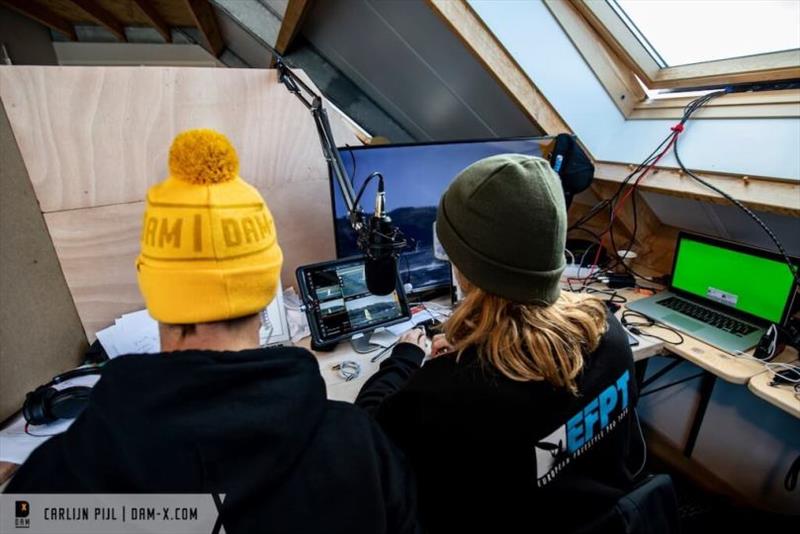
22	512
597	418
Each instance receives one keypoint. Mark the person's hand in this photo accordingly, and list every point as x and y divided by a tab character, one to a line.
415	336
440	345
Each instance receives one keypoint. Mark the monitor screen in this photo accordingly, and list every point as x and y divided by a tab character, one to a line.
746	280
415	178
339	303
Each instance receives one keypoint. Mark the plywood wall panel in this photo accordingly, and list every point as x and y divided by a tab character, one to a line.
40	333
95	138
97	248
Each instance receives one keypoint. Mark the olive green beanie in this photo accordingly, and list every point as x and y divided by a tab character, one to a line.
503	223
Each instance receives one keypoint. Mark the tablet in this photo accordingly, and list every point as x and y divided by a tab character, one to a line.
339	305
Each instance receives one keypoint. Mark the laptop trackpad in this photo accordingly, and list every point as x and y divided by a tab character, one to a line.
682	322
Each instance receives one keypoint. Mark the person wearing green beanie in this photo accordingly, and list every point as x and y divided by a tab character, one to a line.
524	418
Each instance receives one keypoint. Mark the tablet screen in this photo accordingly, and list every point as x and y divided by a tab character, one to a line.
339	303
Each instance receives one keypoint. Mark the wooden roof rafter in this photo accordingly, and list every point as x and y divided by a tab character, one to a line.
206	22
43	15
100	15
156	20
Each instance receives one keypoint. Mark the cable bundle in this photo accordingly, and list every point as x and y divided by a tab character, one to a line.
615	203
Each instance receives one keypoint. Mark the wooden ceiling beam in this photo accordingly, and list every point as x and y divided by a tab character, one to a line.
760	193
102	17
487	49
42	15
296	13
155	18
206	21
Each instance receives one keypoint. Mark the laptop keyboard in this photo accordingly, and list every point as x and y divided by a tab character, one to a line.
710	317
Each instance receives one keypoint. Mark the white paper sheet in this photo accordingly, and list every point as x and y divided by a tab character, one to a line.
133	333
400	328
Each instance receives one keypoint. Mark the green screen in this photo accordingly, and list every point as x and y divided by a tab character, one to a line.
749	283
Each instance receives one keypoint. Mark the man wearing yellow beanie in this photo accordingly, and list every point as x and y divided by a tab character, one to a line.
214	412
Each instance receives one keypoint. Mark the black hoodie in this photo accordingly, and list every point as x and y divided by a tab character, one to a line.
254	425
496	455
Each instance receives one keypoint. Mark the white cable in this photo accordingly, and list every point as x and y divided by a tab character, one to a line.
773	367
644	443
580	264
571	256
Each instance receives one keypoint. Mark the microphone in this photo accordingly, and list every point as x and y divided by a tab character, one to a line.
381	242
381	275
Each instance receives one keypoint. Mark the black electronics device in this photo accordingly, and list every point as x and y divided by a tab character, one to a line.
47	403
769	345
416	176
381	239
378	238
339	305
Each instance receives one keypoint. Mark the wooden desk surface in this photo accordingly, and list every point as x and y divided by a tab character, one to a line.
729	367
339	389
782	396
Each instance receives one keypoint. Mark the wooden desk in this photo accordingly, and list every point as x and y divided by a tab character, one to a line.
731	368
339	389
782	396
726	366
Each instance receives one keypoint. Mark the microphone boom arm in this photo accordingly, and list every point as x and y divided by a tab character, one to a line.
313	102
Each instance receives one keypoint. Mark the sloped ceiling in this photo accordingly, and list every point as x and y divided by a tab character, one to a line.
408	62
413	66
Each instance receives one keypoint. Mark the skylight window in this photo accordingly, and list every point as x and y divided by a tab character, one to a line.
681	32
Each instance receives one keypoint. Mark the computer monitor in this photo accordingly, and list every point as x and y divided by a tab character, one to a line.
416	176
339	305
750	281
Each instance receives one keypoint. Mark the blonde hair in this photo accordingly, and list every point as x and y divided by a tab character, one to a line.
528	342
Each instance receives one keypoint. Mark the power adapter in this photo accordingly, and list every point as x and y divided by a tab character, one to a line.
619	280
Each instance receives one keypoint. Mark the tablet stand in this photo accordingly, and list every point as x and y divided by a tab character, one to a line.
361	342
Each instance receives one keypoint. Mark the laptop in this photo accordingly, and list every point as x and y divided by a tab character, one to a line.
723	293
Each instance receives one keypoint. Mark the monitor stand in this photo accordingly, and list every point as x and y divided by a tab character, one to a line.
361	342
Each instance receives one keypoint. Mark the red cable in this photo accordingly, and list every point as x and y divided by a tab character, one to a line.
678	128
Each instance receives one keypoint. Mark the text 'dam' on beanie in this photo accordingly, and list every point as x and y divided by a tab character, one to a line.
209	251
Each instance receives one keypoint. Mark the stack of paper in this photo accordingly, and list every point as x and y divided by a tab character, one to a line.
133	333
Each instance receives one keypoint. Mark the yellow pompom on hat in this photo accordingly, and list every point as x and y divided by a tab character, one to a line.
209	251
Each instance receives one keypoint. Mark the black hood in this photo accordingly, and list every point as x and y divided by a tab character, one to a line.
240	413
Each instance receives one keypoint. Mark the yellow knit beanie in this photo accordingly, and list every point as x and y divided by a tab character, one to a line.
209	249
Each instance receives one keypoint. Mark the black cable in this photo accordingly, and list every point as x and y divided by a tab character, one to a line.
615	297
353	161
688	111
603	203
635	327
671	384
748	211
790	482
611	202
364	186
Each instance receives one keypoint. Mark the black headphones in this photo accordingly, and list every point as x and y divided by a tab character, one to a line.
47	404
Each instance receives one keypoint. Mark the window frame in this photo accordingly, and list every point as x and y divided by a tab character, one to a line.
771	66
617	57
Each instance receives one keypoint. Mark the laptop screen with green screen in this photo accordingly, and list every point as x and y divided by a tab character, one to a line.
744	281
